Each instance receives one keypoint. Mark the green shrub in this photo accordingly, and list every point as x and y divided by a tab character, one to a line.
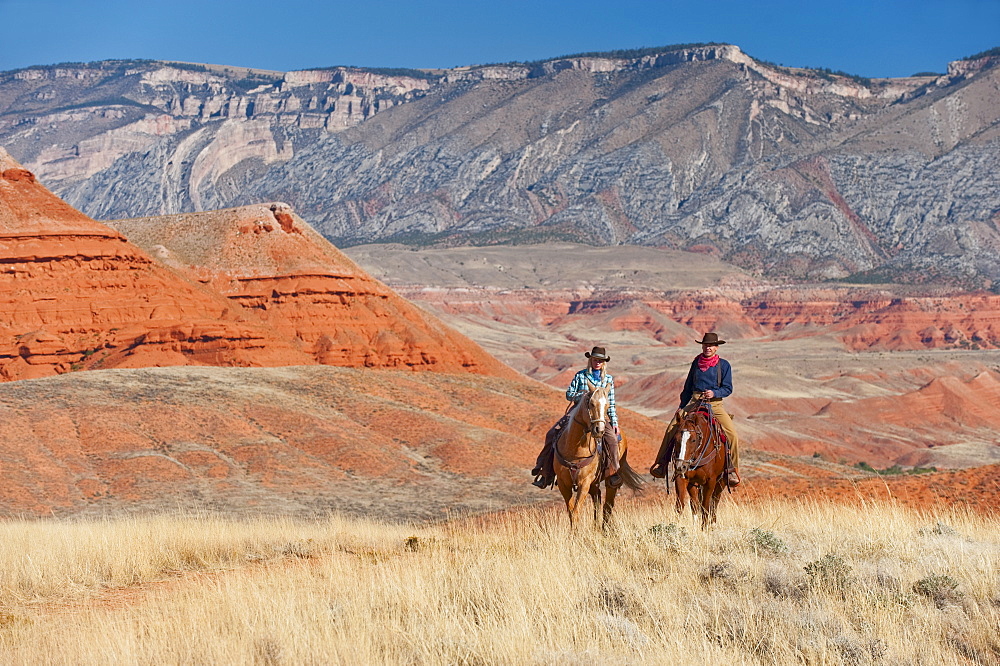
668	537
830	571
941	589
767	542
995	51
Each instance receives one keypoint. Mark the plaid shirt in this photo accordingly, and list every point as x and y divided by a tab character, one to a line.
578	387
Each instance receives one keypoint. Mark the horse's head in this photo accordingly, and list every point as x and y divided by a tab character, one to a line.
693	430
598	399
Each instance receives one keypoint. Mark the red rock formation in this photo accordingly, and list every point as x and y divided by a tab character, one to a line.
272	263
865	320
862	319
76	294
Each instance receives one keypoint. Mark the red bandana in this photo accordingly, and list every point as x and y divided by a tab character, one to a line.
706	363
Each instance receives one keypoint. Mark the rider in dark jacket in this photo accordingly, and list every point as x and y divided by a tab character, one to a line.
710	378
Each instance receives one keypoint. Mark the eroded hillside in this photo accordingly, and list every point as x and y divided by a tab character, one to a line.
878	375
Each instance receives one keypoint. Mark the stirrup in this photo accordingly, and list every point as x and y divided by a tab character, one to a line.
615	480
658	470
733	478
542	482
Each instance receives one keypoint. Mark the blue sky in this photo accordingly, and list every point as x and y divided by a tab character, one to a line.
870	38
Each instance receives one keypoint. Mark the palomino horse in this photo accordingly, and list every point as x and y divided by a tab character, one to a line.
579	458
699	458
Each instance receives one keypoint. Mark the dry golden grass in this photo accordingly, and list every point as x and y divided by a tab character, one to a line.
774	583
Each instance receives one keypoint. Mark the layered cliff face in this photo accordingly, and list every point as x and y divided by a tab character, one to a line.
781	171
668	294
247	287
267	260
77	294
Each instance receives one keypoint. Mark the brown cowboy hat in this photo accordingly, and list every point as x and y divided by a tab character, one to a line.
598	353
711	339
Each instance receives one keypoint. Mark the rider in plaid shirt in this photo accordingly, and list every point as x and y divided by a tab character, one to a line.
599	378
596	375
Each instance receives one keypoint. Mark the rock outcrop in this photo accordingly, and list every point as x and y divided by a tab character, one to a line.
269	262
803	173
77	295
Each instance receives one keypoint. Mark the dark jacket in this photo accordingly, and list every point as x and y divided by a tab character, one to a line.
719	379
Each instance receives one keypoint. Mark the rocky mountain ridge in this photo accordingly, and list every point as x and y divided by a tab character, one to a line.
803	173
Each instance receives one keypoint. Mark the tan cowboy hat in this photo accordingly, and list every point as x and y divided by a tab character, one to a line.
711	339
598	353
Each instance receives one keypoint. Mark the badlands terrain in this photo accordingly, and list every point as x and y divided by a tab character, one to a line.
842	233
832	375
235	361
884	374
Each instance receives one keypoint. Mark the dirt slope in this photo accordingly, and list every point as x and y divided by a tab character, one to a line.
294	440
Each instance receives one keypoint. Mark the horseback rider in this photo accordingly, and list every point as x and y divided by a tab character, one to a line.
709	379
594	375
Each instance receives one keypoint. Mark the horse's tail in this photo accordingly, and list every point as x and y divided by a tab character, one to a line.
628	475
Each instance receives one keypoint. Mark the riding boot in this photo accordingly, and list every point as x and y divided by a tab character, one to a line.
611	446
732	472
544	470
659	468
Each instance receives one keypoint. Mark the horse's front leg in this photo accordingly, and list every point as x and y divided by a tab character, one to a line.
576	501
716	498
681	492
565	486
609	506
708	498
595	495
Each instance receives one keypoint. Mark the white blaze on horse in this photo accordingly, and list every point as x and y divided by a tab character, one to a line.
580	458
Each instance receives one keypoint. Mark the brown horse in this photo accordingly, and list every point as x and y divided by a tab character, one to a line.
699	457
580	459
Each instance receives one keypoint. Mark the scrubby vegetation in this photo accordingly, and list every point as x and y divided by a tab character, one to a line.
385	71
995	51
831	75
630	54
773	583
895	469
619	54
